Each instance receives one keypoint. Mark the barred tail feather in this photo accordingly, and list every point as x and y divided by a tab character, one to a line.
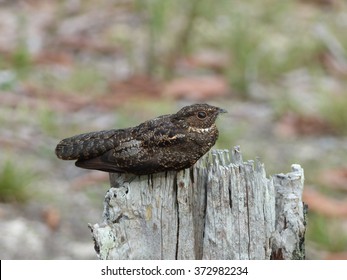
85	146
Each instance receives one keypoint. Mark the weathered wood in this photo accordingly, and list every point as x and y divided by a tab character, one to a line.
289	236
222	208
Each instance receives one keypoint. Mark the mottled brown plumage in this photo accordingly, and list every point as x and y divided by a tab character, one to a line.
169	142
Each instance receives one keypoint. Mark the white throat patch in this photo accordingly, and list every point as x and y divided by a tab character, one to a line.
200	130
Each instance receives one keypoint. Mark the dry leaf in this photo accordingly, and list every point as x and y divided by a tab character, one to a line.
293	125
324	205
134	87
197	88
336	256
216	61
335	178
54	57
51	217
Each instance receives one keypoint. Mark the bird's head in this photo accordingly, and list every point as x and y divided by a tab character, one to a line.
198	116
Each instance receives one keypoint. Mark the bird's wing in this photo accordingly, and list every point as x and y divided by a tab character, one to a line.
101	163
159	134
136	152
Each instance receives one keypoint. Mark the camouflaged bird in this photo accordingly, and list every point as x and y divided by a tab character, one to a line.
168	142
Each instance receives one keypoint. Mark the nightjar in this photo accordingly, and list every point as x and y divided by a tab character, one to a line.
168	142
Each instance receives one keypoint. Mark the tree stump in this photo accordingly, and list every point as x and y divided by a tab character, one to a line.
221	208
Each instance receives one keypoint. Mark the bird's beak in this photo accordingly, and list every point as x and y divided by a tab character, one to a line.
222	111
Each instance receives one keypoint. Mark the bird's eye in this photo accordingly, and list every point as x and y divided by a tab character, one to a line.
201	115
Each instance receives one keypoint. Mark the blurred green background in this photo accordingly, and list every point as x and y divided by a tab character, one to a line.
73	66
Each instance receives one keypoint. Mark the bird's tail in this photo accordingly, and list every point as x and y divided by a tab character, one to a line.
85	146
